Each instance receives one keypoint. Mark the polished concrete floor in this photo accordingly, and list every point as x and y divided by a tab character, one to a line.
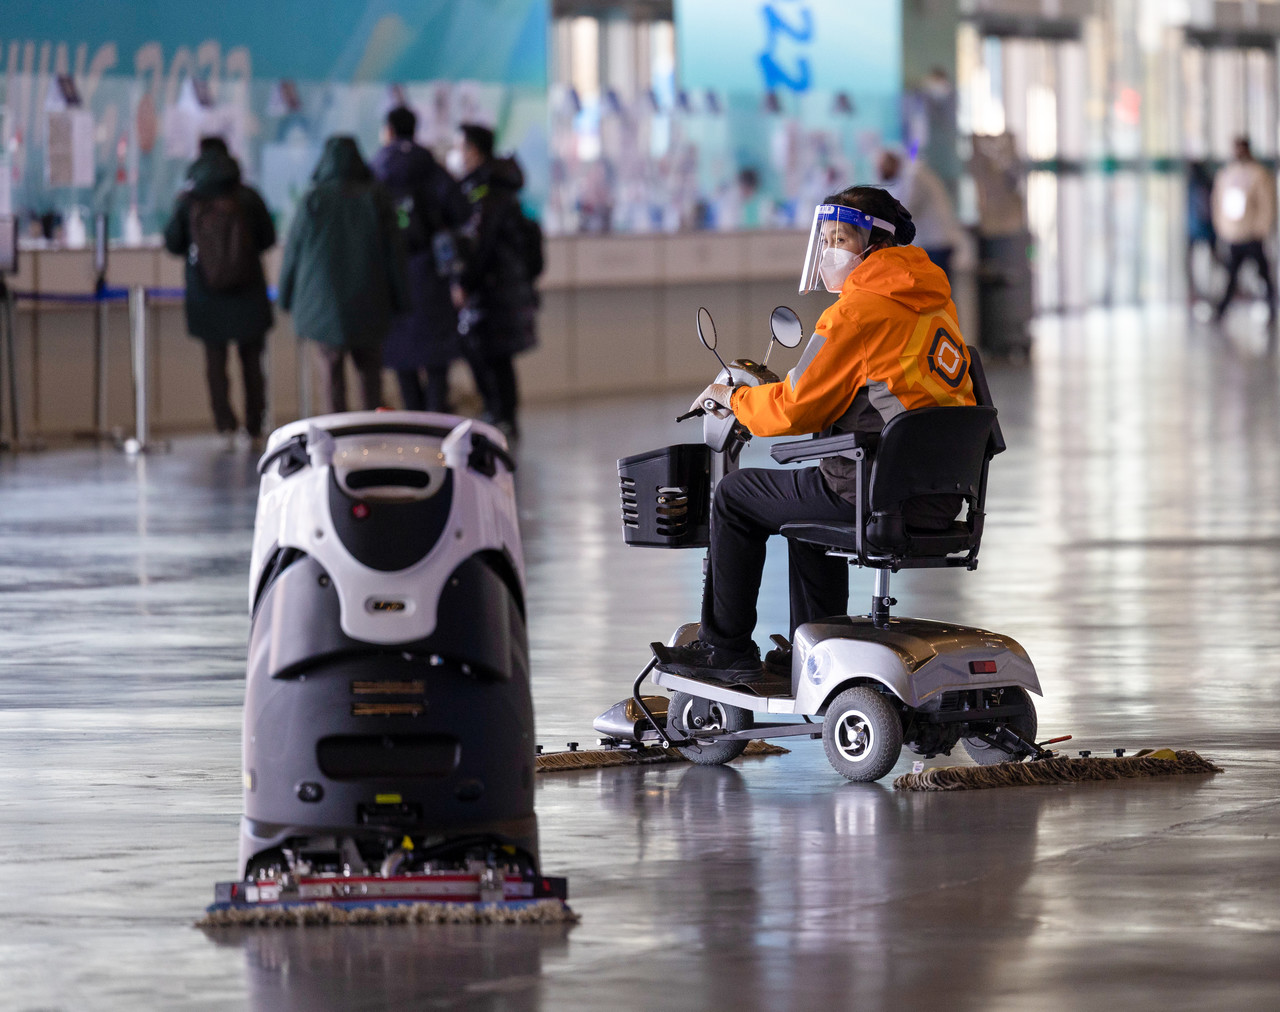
1133	547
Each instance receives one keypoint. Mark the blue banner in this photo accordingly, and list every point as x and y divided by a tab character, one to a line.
501	41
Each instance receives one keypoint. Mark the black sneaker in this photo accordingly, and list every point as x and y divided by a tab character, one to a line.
701	659
778	661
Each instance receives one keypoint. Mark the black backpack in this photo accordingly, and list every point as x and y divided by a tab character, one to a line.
531	246
416	217
222	246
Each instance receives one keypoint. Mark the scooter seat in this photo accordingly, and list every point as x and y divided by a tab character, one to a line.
913	542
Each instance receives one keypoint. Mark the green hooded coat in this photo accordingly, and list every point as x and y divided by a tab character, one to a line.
343	277
243	314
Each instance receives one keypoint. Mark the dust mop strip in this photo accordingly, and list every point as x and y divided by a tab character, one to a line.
557	762
1063	770
319	914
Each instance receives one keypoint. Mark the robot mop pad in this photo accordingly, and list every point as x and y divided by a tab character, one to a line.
314	914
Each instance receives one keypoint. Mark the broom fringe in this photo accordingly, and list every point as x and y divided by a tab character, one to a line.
557	762
323	914
1060	770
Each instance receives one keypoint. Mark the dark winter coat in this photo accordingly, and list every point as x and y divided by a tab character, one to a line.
498	317
427	335
243	314
343	273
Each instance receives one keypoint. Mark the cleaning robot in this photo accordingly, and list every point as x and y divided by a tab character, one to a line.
388	726
878	682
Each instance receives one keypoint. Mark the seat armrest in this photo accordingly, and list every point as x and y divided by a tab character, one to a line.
845	444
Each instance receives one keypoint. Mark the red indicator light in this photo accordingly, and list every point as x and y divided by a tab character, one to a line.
982	667
359	511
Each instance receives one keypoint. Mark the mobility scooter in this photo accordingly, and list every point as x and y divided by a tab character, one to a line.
877	681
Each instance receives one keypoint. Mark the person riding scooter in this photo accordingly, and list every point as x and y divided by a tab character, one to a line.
890	343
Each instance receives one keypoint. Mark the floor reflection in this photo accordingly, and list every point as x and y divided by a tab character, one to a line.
395	967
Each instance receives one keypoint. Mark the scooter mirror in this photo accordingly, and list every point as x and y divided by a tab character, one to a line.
707	334
785	327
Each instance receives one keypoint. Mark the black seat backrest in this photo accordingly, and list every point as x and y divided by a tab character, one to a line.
931	451
982	394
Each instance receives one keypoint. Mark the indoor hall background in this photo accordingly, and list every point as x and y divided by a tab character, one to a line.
1110	103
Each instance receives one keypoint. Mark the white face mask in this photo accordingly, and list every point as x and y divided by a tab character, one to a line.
836	265
454	163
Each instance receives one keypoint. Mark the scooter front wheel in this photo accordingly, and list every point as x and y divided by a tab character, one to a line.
693	713
862	734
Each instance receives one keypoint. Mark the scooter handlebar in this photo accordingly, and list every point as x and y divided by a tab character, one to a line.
690	414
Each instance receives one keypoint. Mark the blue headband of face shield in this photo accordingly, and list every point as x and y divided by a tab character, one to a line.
852	216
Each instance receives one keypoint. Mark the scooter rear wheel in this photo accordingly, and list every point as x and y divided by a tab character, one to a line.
683	715
1024	725
862	734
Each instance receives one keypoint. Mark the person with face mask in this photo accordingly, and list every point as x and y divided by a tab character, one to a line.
429	208
494	292
888	344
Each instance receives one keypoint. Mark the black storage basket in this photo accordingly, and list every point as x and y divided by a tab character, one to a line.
666	497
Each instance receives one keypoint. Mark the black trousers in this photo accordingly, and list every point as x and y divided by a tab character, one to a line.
433	395
368	363
495	376
255	387
1238	253
749	506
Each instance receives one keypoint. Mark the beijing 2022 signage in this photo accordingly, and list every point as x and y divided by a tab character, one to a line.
791	47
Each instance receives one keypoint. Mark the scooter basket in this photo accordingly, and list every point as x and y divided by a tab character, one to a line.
666	497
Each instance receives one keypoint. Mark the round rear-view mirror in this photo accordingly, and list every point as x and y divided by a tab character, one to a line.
785	327
707	332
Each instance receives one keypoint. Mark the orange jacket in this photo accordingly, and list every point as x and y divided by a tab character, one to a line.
888	344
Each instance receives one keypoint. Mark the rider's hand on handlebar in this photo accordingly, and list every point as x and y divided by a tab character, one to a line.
714	399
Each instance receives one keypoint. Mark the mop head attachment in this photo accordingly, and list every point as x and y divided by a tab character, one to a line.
473	892
616	753
1057	769
306	915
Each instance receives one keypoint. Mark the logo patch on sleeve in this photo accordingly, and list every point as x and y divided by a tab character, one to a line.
946	359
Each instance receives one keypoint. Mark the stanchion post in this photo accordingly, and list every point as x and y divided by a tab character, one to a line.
102	324
9	338
304	379
267	422
101	332
138	346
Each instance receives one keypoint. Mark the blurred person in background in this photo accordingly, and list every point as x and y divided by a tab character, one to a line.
343	277
502	254
429	207
221	228
1200	230
741	205
1244	216
919	189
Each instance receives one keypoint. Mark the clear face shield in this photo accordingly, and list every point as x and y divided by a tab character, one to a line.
838	241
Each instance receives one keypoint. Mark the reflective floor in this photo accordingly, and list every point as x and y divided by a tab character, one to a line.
1133	547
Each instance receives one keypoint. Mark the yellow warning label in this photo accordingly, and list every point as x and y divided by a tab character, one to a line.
388	799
